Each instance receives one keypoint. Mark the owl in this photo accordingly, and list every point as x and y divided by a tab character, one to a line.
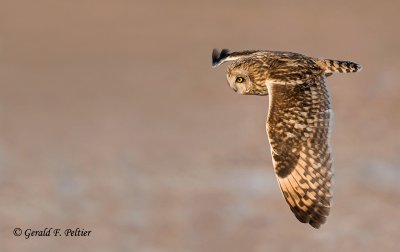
299	121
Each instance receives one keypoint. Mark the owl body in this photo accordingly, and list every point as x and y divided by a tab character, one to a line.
299	121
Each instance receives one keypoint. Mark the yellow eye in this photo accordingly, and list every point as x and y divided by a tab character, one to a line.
239	79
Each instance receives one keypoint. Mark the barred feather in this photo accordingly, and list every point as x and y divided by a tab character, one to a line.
337	66
299	126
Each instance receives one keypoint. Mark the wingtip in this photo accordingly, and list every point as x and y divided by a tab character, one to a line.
219	56
215	56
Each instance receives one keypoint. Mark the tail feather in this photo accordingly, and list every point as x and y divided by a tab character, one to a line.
337	66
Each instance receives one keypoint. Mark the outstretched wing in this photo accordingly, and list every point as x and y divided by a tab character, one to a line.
299	126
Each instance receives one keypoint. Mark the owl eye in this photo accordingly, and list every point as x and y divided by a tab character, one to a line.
239	79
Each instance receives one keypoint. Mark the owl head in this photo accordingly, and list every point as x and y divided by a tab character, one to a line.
245	74
240	77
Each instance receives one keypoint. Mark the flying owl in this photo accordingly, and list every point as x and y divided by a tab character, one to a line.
299	121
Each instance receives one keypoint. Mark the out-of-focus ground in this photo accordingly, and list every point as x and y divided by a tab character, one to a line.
112	120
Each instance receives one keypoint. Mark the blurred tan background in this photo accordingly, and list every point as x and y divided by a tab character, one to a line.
112	120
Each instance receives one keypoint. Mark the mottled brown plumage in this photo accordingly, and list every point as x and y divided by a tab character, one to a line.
299	121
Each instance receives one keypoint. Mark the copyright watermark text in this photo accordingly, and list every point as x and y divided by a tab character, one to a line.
51	232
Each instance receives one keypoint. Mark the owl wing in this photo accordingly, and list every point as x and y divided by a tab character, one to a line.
299	126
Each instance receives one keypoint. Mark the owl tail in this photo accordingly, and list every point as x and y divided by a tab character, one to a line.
337	66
